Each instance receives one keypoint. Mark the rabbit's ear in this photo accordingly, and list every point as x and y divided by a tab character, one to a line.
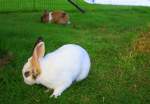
39	50
38	53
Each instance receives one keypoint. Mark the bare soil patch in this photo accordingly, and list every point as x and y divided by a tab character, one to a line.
5	58
142	44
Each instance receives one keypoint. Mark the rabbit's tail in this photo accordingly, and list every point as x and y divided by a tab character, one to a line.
84	68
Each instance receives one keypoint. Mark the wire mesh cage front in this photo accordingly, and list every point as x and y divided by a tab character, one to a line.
32	5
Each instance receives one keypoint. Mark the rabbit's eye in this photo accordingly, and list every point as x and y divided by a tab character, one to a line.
27	74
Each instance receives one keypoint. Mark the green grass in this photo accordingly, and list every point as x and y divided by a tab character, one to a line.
106	32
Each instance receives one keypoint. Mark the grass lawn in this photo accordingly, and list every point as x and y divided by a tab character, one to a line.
119	74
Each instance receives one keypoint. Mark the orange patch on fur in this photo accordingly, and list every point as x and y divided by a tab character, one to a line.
60	17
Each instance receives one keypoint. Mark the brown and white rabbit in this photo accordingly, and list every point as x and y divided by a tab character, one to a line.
58	17
58	69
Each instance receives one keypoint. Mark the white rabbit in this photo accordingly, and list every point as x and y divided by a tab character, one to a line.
57	70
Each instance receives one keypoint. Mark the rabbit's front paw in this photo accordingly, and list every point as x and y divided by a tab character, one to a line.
56	93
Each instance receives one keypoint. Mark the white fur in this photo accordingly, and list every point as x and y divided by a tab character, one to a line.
60	68
50	16
27	67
